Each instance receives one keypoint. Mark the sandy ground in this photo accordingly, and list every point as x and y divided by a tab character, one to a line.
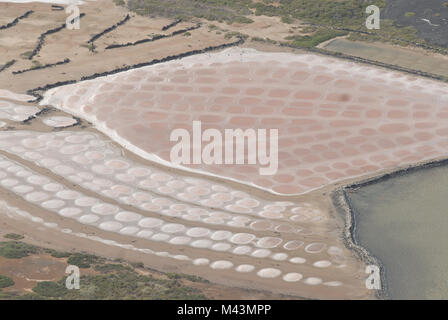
263	27
72	43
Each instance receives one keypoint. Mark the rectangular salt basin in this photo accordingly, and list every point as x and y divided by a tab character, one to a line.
391	55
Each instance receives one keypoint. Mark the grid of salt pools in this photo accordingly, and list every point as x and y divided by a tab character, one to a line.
336	119
6	94
54	197
96	165
18	113
15	212
13	112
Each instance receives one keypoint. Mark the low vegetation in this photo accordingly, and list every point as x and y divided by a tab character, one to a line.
128	284
83	260
26	55
5	281
214	10
316	38
117	283
13	236
189	277
326	17
16	250
232	34
58	254
50	289
106	279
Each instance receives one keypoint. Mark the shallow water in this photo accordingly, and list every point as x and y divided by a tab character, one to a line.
404	221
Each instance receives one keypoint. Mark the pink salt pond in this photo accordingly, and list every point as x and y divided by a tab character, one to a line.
332	125
59	121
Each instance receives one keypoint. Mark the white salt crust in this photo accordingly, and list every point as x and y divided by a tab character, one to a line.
216	265
292	277
94	166
108	217
75	205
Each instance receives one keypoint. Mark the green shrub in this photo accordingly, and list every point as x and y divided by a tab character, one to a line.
36	64
231	34
409	14
16	250
13	236
26	55
140	265
241	19
192	278
129	284
173	275
60	254
213	10
315	39
6	281
258	39
108	268
82	260
50	289
286	19
116	281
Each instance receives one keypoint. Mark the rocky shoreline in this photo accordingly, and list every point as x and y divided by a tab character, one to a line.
343	205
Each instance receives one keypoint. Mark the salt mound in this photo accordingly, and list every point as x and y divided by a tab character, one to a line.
59	121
